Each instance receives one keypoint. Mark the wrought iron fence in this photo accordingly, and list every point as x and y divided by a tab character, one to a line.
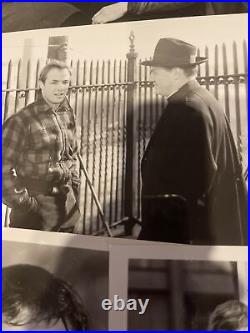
116	108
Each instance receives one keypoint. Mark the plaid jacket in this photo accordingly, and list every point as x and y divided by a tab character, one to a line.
38	143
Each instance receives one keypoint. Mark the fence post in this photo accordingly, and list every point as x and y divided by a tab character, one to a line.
131	122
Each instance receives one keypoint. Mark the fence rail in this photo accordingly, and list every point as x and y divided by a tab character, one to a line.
116	109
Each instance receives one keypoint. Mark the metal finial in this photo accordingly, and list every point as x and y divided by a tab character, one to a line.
131	39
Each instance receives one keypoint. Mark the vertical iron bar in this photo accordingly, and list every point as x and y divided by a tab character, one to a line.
145	125
102	114
88	146
237	101
112	147
27	92
82	134
94	223
124	138
207	68
106	142
83	109
117	196
17	86
77	83
198	67
245	72
226	88
216	65
7	96
37	79
139	124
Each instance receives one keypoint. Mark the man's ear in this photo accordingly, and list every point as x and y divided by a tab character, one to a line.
177	71
41	84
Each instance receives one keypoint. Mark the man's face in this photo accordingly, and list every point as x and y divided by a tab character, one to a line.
56	85
164	80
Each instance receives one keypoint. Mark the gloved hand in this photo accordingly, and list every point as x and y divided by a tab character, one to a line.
110	13
59	174
49	210
26	202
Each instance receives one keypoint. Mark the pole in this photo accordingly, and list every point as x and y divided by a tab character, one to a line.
94	196
131	123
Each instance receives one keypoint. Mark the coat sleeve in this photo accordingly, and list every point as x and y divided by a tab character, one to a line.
180	160
13	142
140	8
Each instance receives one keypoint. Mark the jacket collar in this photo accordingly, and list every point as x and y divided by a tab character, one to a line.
43	106
182	93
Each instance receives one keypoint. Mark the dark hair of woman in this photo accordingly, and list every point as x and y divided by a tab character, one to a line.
31	294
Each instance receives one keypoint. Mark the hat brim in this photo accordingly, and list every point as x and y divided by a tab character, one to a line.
199	60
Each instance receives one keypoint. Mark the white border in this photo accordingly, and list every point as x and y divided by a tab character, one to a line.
97	243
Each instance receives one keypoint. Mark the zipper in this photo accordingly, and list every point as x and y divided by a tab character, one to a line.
63	137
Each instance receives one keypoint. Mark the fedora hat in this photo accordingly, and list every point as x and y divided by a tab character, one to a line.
171	52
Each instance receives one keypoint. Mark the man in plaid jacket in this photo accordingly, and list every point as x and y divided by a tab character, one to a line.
40	169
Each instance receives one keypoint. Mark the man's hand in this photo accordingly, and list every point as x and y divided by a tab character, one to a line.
49	210
25	201
110	13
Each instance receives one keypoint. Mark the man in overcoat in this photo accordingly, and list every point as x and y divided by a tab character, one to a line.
192	185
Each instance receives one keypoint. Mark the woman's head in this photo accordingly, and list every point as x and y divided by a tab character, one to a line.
33	297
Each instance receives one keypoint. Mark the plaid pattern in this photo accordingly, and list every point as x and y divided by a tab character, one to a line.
36	140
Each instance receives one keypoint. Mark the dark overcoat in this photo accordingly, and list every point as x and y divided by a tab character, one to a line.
192	154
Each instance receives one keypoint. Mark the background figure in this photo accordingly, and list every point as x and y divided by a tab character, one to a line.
191	154
229	316
40	165
34	299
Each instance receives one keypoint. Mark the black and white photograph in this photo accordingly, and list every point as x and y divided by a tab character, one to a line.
124	166
127	148
53	283
179	288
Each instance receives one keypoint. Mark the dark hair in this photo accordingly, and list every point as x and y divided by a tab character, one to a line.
46	297
231	315
52	64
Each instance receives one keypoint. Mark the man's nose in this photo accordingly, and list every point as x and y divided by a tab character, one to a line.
62	86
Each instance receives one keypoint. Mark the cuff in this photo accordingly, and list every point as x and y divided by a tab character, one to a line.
27	202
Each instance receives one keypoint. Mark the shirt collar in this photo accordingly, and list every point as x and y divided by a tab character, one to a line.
43	106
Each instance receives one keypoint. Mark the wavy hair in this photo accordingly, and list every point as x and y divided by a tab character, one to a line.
34	293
